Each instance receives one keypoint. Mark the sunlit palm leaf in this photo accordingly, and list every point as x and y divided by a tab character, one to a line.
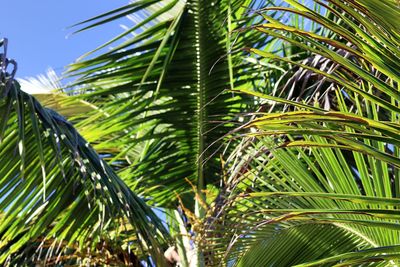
313	165
166	85
300	243
48	90
59	201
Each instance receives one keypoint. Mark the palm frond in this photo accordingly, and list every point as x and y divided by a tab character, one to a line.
59	200
335	164
164	89
49	90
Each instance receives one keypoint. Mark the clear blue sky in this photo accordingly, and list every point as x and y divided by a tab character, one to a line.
37	31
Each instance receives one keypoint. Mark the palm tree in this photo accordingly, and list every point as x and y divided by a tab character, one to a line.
174	38
165	99
315	168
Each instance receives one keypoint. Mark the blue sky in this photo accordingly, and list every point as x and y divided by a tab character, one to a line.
37	31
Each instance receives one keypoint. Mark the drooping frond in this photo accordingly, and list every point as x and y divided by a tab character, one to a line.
59	201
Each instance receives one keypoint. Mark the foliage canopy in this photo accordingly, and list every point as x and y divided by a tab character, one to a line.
266	133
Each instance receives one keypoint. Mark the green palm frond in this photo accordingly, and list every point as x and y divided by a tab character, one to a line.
59	201
165	90
299	243
314	164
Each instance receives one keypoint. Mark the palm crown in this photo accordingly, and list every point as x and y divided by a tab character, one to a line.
273	127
